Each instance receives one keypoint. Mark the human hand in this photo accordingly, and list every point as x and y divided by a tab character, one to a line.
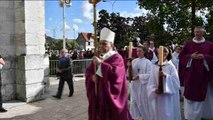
162	74
194	55
97	60
200	56
135	78
58	70
129	63
94	78
2	61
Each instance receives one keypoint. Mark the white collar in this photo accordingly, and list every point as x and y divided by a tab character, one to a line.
109	54
200	41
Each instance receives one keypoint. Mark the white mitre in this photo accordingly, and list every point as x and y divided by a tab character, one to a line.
107	34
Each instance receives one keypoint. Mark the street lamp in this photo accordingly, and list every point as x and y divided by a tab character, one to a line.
112	3
63	3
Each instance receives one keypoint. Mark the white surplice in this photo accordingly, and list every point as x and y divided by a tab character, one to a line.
175	59
167	105
196	110
139	106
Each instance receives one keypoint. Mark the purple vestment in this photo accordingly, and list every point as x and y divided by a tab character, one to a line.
111	103
196	74
134	55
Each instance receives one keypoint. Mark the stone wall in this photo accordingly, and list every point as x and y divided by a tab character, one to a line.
8	49
27	64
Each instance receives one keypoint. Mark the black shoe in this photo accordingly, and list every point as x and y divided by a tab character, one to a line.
56	96
3	110
70	95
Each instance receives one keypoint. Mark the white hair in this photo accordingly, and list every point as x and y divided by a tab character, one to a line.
201	28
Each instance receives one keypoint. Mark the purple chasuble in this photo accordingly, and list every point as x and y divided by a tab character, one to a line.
196	75
111	103
134	55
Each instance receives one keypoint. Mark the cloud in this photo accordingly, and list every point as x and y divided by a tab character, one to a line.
87	10
77	20
67	27
75	27
137	12
128	14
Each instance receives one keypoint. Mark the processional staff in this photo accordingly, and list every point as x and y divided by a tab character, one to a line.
160	63
130	75
94	2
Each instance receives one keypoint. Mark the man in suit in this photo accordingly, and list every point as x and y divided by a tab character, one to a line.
65	74
1	66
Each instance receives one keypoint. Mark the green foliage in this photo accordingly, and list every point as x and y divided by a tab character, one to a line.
179	16
57	44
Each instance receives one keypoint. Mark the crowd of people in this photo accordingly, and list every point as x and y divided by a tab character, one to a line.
186	72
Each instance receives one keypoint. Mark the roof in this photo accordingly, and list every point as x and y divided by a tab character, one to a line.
87	36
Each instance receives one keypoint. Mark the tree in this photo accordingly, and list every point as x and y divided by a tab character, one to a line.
178	16
57	44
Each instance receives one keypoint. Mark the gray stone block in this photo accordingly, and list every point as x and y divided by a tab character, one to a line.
25	75
8	76
7	40
8	91
35	92
7	14
7	27
6	4
21	92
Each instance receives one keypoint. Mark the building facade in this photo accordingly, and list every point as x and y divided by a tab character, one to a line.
86	41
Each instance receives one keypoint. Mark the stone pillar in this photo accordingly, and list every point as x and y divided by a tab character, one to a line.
32	63
8	49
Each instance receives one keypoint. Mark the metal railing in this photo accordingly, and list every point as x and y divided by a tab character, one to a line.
78	66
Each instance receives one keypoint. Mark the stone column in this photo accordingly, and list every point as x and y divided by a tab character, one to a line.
8	48
32	63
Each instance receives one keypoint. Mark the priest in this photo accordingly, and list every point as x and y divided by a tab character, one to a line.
196	70
107	101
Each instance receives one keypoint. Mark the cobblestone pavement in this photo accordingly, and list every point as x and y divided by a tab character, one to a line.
67	108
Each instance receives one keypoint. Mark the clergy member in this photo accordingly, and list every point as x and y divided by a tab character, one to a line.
110	100
196	71
149	53
165	106
175	56
139	105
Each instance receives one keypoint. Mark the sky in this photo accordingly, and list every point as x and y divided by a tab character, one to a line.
79	16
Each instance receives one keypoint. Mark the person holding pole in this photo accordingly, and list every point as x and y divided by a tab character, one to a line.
109	101
163	88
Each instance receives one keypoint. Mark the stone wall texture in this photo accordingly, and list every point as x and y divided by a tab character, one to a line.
22	39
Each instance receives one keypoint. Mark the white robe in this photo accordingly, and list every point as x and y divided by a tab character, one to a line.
197	110
175	59
139	106
167	105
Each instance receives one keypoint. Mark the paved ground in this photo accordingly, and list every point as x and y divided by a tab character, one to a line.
67	108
